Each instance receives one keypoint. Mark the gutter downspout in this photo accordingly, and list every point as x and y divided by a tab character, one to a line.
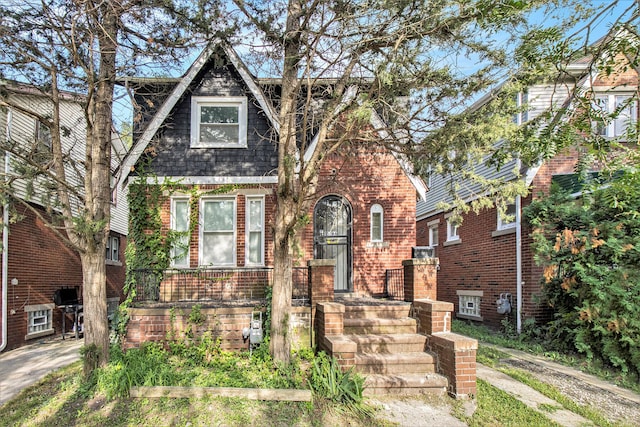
518	258
5	243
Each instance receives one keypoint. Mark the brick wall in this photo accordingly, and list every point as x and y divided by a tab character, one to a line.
485	260
42	263
366	176
225	323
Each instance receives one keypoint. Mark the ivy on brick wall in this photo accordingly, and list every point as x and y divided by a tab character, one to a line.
149	244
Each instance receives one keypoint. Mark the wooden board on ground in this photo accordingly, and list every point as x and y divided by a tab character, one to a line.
245	393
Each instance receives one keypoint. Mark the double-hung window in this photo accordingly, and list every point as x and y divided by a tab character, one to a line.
180	226
452	229
522	99
255	231
377	221
508	219
113	249
218	122
433	235
218	232
614	114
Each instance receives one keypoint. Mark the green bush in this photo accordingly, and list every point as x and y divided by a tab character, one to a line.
590	251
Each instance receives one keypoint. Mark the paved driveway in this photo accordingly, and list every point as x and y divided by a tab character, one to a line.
26	365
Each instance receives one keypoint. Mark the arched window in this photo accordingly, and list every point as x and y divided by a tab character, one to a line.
377	223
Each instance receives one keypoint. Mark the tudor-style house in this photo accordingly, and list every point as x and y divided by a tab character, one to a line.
213	130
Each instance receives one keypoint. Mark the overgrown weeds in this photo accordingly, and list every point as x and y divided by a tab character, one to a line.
528	342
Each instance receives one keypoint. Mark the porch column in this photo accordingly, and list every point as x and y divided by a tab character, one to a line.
321	282
420	279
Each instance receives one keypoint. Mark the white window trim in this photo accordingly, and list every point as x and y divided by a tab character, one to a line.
609	129
248	199
501	225
376	208
234	263
173	227
240	102
110	260
452	238
40	307
521	117
433	225
474	294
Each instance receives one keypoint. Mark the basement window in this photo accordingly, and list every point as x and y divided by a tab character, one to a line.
469	304
39	320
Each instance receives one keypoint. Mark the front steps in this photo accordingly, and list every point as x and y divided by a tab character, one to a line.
390	353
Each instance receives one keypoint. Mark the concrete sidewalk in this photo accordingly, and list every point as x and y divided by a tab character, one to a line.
24	366
530	397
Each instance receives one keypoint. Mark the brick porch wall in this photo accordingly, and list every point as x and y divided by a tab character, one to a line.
163	324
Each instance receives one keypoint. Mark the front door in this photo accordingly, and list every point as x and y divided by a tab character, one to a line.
332	237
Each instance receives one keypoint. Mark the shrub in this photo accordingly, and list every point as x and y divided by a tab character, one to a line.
590	251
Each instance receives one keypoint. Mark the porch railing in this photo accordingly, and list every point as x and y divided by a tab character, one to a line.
212	284
394	284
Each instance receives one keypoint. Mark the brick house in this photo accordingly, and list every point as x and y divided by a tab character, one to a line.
36	262
362	214
484	259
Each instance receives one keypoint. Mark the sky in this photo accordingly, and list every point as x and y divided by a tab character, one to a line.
601	21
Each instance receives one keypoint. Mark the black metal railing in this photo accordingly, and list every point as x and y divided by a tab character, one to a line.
300	291
394	284
202	284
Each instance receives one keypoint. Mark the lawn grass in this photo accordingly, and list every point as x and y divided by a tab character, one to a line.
63	399
498	408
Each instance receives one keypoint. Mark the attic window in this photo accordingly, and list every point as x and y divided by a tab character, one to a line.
218	122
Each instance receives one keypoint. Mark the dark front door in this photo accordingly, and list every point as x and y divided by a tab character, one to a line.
332	237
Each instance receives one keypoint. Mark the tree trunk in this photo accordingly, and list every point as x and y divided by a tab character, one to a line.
94	300
280	346
286	195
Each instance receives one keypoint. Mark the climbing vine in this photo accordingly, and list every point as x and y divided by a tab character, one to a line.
149	244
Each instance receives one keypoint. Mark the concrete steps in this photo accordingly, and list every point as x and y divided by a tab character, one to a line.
395	363
389	343
390	354
379	326
406	384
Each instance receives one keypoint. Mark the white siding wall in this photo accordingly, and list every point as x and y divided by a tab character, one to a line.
540	99
23	130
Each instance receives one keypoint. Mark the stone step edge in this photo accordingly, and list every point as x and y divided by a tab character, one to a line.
405	384
401	338
407	321
385	359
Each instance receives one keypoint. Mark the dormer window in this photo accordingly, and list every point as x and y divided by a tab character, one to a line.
218	122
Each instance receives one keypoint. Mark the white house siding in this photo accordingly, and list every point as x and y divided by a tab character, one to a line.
540	99
23	128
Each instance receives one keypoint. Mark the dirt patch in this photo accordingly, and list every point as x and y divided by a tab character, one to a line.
614	407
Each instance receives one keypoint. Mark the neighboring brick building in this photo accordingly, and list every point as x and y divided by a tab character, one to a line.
478	261
38	261
362	214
